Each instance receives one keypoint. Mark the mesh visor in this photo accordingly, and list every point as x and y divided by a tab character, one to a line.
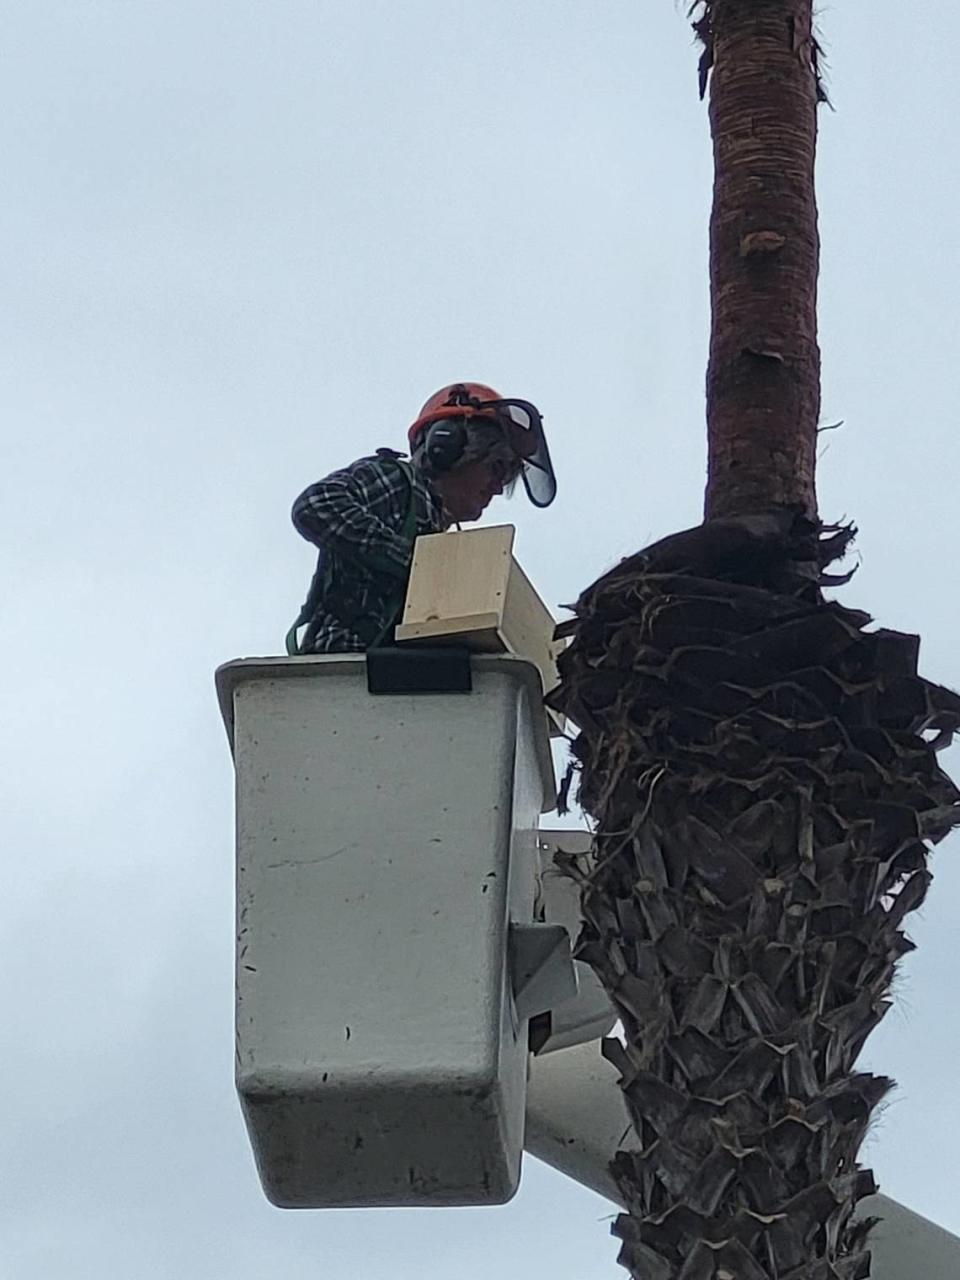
530	443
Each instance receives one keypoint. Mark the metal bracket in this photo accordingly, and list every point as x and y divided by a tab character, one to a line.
591	1015
541	967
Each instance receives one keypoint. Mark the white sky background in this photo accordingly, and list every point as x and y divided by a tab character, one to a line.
241	242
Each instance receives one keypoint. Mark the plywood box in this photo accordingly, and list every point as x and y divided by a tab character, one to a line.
466	587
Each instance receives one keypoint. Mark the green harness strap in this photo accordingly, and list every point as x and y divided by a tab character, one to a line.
408	531
291	642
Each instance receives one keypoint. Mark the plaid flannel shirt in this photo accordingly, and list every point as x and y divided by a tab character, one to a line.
356	517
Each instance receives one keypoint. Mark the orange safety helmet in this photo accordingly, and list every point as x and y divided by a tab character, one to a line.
521	419
460	399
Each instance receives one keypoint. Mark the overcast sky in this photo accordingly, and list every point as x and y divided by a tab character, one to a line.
240	243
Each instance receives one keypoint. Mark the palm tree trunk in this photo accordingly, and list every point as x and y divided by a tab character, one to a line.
763	379
761	768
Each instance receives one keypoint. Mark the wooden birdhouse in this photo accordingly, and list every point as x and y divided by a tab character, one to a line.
467	588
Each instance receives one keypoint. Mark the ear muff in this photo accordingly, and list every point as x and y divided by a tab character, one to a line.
445	443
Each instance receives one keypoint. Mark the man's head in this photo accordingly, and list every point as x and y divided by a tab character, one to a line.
473	444
469	462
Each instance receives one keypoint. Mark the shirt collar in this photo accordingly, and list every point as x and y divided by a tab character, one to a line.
434	502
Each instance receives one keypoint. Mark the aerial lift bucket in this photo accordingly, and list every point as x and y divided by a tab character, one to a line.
388	957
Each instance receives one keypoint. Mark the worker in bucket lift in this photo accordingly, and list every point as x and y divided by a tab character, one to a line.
467	445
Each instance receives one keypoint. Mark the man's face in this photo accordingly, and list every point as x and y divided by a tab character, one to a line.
469	490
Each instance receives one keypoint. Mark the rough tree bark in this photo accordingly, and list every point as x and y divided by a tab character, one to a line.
763	378
760	765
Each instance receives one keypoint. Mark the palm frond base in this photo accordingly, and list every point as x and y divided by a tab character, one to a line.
761	766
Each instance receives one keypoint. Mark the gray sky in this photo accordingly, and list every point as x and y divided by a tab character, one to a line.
241	242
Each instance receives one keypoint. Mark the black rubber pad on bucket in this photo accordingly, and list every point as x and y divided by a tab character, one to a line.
414	670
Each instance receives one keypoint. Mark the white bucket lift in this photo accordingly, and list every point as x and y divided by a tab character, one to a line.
387	954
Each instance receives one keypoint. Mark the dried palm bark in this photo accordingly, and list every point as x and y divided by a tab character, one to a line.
763	775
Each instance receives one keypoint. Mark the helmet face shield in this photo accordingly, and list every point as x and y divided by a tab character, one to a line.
526	434
520	418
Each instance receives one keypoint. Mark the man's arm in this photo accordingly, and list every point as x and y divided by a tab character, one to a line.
349	513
